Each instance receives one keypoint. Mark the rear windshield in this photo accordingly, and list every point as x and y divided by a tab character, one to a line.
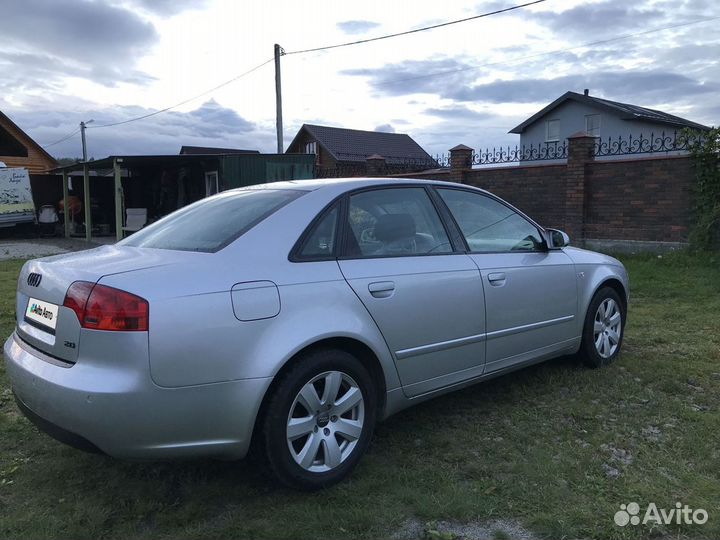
211	224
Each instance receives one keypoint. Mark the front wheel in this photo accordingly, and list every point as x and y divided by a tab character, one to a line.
603	330
319	419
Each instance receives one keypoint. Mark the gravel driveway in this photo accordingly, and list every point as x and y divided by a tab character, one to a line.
42	247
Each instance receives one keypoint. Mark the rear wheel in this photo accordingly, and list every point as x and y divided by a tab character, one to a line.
603	330
319	419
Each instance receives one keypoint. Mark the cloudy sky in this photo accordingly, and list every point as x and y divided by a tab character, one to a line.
64	61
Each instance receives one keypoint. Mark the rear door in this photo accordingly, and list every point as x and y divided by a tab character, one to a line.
530	291
426	298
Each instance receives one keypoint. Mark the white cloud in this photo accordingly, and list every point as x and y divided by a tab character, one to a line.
210	124
66	61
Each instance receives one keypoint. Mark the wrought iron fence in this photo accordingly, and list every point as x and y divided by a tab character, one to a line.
442	160
513	154
662	143
677	141
539	152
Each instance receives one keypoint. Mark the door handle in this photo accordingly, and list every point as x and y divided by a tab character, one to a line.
496	278
381	289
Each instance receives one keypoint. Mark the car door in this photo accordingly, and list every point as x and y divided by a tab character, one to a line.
426	298
530	291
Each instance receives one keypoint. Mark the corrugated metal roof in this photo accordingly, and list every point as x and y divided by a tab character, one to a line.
625	111
355	145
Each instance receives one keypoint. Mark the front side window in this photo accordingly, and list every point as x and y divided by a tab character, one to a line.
394	222
211	224
552	131
490	226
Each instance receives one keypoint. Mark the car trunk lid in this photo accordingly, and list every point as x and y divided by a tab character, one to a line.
42	320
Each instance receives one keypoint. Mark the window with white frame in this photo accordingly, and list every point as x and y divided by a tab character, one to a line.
311	148
552	130
211	183
592	124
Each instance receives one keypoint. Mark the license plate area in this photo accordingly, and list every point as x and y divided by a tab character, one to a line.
42	315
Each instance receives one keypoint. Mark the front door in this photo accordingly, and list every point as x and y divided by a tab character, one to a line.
530	291
426	300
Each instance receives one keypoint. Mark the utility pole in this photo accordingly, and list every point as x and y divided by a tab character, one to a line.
84	144
278	99
86	184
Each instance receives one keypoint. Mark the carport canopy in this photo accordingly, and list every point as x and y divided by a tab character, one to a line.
116	163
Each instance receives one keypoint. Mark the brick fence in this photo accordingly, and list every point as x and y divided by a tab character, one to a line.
643	200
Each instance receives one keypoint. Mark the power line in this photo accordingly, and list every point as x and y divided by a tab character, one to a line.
229	81
385	83
63	139
555	51
388	36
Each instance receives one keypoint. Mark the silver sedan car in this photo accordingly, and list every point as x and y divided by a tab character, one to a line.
295	315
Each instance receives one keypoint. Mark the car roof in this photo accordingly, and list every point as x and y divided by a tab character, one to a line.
347	183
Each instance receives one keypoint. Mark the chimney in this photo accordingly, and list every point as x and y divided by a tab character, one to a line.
587	92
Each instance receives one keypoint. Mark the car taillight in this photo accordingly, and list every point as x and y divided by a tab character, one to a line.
100	307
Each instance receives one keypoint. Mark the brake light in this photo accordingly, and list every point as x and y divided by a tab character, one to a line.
100	307
76	297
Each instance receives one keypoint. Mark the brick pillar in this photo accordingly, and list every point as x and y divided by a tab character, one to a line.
375	165
460	162
580	153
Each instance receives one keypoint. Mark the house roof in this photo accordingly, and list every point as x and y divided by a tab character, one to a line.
205	150
26	139
355	145
625	111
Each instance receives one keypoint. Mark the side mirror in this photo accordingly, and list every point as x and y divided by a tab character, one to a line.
557	239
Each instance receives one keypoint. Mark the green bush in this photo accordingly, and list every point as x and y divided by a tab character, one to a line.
705	233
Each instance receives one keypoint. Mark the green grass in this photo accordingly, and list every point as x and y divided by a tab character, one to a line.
533	447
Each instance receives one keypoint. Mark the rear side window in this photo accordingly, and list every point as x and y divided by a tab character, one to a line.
320	243
394	222
211	224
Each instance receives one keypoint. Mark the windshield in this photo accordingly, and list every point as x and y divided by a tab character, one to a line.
211	224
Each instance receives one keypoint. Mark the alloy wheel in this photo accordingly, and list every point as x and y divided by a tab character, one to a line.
607	328
325	421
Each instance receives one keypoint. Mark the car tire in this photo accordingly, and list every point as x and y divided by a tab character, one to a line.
319	419
604	329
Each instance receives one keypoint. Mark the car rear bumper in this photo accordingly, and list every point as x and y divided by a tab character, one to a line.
118	410
56	432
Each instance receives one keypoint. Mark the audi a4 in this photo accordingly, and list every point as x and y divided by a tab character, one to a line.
295	315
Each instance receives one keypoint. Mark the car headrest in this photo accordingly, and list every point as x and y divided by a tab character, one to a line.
392	227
